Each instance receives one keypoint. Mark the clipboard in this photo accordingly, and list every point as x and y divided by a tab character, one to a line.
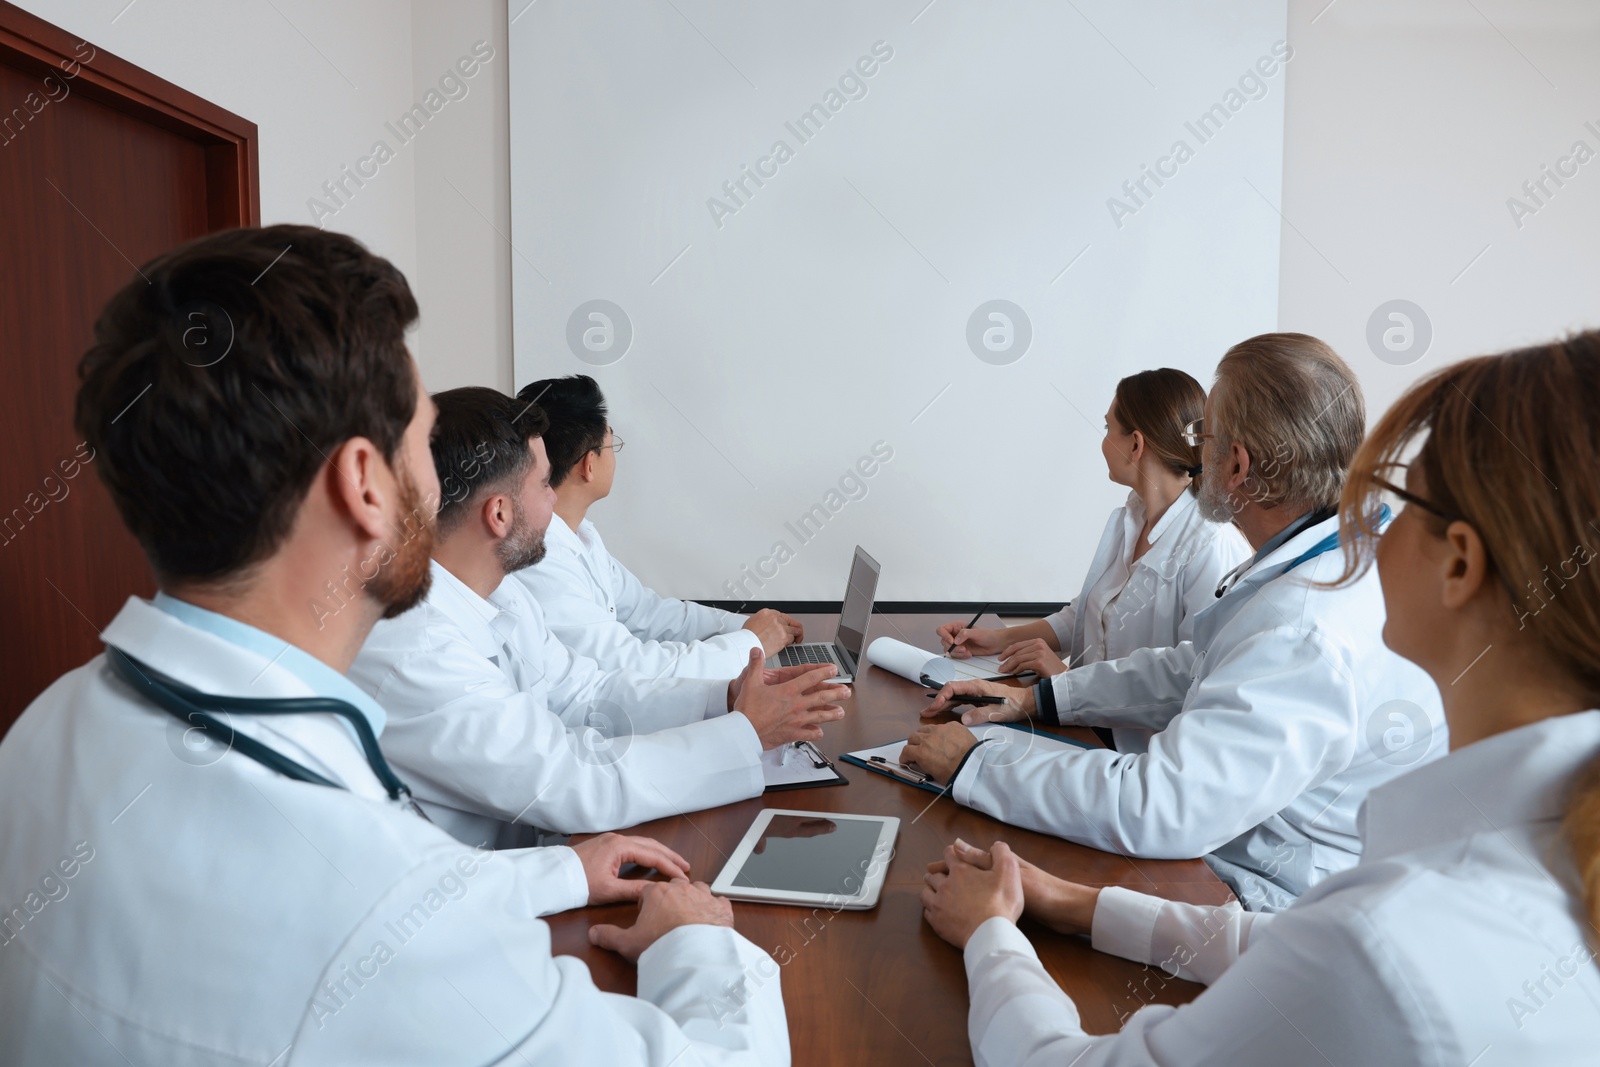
986	732
792	767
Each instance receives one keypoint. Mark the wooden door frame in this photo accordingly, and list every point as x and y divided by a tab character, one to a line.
31	44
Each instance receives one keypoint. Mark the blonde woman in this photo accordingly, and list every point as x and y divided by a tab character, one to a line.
1159	560
1467	933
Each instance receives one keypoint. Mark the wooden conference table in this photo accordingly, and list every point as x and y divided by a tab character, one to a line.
880	986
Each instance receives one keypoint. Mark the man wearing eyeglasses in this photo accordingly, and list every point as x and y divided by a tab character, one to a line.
591	601
1284	710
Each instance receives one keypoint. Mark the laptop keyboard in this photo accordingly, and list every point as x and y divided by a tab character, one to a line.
798	655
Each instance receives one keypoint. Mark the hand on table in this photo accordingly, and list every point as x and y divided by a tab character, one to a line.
603	858
939	748
1065	907
786	704
1019	702
963	896
1034	654
664	907
775	629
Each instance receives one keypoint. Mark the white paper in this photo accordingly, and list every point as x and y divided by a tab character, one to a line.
787	765
897	657
944	669
911	663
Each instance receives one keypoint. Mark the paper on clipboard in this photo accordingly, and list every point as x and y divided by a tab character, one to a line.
912	663
789	767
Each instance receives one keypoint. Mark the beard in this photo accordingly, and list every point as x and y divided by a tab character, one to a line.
404	580
523	546
1213	501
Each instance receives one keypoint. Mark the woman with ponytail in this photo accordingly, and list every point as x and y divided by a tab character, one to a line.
1158	562
1467	934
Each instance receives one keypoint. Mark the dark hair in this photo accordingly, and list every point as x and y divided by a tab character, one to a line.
480	445
1493	432
1159	404
220	380
578	419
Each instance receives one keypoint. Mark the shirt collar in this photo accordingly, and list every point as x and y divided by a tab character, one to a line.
1506	781
559	531
323	679
1283	536
1177	512
469	611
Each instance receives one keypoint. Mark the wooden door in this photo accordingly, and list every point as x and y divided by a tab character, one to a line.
102	166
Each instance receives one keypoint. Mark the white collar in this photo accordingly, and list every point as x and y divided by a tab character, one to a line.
472	614
1296	545
205	660
1512	779
214	664
323	679
1177	513
559	531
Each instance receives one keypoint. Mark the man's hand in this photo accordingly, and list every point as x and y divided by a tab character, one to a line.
773	676
1034	655
603	858
775	629
939	749
664	907
1066	907
791	708
963	897
1019	702
960	641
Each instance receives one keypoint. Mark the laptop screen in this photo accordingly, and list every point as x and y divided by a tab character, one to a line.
856	611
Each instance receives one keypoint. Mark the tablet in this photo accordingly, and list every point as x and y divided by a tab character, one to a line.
811	857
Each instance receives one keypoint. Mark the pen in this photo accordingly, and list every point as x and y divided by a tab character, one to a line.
901	769
972	699
971	624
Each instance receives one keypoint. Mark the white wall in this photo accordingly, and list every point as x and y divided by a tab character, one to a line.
1410	123
321	80
955	158
463	210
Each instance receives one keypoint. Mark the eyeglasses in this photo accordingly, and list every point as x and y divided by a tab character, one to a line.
1410	497
1195	432
615	444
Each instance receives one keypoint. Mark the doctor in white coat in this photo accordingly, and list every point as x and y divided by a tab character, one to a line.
1159	560
189	880
1280	715
1467	933
498	727
591	601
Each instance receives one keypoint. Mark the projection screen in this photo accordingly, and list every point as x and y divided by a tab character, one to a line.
867	273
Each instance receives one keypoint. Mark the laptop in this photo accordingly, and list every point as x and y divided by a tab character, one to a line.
844	651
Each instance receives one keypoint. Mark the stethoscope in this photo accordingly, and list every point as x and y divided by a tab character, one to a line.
192	707
1327	544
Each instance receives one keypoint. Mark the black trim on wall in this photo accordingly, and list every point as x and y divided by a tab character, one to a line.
890	607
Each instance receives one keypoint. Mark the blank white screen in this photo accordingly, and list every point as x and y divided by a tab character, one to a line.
829	313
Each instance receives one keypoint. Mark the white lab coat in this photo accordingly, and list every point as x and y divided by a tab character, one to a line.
493	722
217	912
599	609
1275	722
1151	602
1458	939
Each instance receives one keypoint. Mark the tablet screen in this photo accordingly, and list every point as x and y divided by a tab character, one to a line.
811	854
